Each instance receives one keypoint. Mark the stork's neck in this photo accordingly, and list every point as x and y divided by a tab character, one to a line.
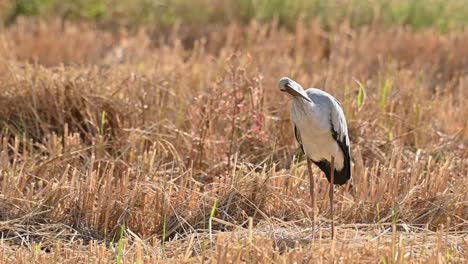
302	104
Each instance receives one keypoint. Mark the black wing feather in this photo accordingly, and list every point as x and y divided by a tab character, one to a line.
341	177
298	138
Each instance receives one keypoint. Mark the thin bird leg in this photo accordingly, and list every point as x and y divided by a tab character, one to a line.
311	188
331	196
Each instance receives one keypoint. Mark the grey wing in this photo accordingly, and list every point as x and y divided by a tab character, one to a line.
338	123
333	107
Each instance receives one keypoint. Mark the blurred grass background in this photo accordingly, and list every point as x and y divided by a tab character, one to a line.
443	15
142	115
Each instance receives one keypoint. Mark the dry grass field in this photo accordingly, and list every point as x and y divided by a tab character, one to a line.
136	147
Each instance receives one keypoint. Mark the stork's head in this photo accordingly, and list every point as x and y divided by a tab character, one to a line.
286	84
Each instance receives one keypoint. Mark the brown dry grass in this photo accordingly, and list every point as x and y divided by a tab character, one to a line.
103	133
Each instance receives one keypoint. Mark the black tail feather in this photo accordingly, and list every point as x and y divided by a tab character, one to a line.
341	176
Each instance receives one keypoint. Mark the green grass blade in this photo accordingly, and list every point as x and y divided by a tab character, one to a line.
120	245
212	214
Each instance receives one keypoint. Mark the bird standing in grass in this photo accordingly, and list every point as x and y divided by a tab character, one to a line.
320	129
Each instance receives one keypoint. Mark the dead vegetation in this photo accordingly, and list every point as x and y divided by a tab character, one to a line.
121	147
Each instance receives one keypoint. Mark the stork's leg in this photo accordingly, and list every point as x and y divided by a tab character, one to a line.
331	196
311	188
